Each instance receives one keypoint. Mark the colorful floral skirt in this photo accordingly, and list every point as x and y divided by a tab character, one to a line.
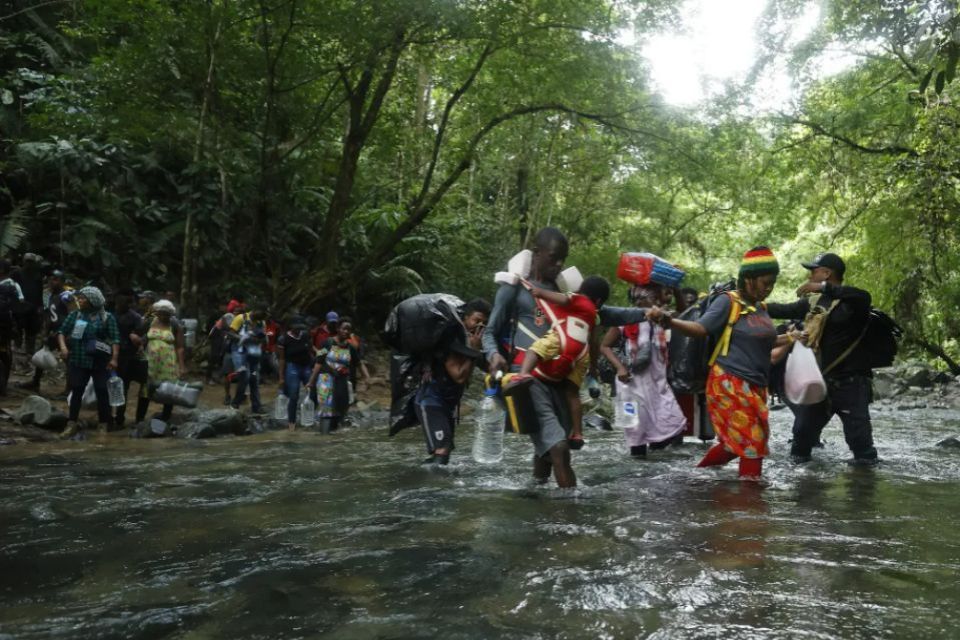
738	411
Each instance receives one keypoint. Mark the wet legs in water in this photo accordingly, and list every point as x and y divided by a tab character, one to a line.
557	460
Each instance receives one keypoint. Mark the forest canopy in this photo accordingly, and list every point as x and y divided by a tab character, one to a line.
353	153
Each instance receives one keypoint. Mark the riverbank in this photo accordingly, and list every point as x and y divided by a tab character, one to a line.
373	398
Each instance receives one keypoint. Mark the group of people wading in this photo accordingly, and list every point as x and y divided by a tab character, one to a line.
517	339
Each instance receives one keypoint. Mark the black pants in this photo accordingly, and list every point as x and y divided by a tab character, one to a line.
848	397
6	355
438	426
131	369
77	378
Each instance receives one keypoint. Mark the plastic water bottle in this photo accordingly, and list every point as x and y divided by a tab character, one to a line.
307	412
280	406
115	390
488	440
625	412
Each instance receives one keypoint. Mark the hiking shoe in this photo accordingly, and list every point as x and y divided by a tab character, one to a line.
517	383
70	430
639	451
800	459
575	442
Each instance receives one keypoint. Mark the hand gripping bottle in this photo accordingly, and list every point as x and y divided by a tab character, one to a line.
308	412
488	439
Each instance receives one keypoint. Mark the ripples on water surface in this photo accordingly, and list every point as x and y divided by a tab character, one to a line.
295	535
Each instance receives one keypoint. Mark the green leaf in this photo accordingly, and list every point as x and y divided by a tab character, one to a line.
950	70
939	83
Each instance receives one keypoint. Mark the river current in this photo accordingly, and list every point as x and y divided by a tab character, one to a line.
295	535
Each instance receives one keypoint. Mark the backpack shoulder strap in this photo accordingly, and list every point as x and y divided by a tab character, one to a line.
846	353
723	344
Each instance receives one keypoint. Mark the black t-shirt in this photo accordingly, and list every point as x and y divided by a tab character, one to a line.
128	322
31	284
297	350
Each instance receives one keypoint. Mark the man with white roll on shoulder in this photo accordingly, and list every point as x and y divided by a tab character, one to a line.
516	322
835	320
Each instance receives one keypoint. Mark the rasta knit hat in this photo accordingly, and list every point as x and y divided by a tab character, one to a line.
759	261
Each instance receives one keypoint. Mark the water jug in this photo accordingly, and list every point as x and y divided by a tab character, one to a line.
307	412
488	439
280	406
625	414
115	390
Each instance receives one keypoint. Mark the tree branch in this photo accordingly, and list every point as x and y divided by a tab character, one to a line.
445	119
32	8
893	150
417	212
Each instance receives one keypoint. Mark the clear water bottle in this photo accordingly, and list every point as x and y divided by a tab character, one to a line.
307	412
280	406
488	439
115	390
625	413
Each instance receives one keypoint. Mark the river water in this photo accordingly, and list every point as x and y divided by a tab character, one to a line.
294	535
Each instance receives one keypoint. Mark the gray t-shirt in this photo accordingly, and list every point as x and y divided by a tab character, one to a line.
751	342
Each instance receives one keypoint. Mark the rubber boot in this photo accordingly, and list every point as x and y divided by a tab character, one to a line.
751	468
716	456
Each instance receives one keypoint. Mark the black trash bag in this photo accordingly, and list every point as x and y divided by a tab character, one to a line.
418	324
405	377
687	365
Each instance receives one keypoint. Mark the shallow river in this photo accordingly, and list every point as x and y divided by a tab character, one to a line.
297	535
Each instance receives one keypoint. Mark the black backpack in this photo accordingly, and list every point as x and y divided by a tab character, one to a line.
882	339
688	365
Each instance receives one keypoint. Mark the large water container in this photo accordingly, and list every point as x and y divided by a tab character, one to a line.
488	439
308	412
280	406
190	332
115	390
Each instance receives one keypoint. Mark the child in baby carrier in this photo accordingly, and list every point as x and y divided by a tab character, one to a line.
567	351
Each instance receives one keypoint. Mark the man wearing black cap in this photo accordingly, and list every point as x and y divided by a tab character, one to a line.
844	361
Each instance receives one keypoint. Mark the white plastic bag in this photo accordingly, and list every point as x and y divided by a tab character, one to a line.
44	359
89	398
803	383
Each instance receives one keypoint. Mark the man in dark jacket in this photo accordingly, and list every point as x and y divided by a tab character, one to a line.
844	360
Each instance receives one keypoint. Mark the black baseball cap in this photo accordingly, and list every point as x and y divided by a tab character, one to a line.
829	260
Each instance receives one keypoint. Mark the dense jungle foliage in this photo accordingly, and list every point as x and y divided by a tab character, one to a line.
351	153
